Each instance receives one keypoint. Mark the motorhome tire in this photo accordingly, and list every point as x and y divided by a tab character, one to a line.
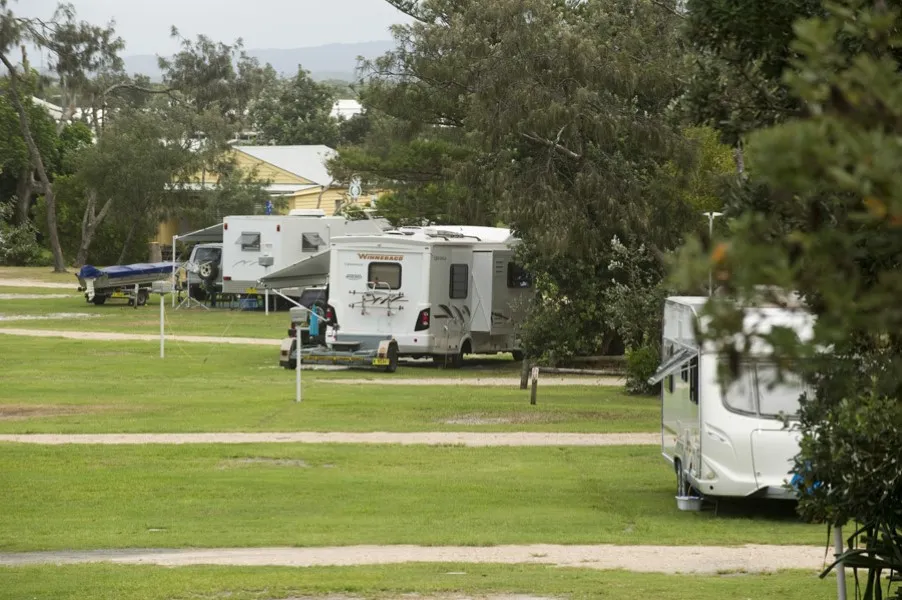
518	355
98	300
142	297
392	358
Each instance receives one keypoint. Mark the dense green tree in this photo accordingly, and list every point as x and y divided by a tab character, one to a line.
75	49
833	169
296	111
553	117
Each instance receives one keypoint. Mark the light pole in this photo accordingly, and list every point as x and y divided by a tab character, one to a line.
711	216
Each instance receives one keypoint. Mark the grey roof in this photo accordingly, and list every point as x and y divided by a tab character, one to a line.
308	162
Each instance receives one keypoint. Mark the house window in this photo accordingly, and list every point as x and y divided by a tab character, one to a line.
460	281
384	275
310	242
517	277
250	241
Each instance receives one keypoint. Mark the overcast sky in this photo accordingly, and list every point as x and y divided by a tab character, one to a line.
145	24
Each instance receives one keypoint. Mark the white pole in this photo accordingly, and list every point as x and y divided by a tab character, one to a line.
840	569
297	364
162	330
711	215
172	292
266	299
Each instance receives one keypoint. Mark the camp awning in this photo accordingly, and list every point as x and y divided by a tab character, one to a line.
672	365
207	235
312	270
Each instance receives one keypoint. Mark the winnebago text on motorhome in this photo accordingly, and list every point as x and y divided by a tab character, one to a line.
728	442
442	292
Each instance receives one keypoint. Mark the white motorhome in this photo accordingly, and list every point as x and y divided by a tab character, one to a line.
440	292
281	240
727	442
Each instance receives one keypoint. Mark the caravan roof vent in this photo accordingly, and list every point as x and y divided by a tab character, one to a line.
307	212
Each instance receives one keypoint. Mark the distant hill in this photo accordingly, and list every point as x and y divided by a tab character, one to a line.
331	61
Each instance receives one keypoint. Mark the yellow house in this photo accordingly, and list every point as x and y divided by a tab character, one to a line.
297	174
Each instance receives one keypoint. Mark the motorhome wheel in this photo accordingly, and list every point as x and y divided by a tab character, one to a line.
518	355
392	358
98	300
142	297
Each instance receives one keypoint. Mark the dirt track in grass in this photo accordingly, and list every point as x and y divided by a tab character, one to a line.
435	438
650	559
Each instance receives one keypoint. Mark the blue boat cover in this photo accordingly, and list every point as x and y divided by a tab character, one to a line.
117	271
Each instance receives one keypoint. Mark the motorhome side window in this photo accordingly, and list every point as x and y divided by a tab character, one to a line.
384	275
517	277
693	380
250	241
460	282
311	242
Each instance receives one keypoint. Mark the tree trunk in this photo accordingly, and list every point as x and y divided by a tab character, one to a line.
89	223
127	243
59	263
740	160
23	195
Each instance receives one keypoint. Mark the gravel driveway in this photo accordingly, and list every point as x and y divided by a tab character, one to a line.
474	439
34	283
649	559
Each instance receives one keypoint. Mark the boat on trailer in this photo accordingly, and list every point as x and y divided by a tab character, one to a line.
122	281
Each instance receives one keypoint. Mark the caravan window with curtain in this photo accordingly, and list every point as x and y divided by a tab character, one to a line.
311	242
384	273
460	282
250	241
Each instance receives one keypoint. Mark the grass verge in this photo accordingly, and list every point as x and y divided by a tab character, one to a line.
109	582
68	386
82	497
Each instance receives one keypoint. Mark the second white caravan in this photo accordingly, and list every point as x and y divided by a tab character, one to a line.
440	292
727	442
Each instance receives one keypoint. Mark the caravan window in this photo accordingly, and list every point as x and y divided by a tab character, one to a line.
250	241
775	398
756	392
517	277
382	273
310	242
740	395
460	282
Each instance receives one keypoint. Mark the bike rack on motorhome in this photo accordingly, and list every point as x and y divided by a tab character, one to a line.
439	292
727	442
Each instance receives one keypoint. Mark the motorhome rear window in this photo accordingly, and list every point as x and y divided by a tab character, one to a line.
384	275
310	242
517	277
250	241
460	282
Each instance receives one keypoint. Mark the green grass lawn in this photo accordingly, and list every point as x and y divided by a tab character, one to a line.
39	274
79	497
70	386
117	582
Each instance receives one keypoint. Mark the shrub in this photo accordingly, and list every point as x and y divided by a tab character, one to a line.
641	363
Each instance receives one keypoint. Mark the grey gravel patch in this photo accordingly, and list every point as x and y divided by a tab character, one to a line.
48	317
35	283
33	296
264	462
752	558
431	438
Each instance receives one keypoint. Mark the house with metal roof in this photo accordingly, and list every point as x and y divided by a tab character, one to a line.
296	174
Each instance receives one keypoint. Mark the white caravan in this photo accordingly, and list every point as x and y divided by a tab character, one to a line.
254	246
727	442
442	292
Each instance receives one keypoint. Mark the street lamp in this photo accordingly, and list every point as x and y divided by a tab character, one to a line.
711	216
